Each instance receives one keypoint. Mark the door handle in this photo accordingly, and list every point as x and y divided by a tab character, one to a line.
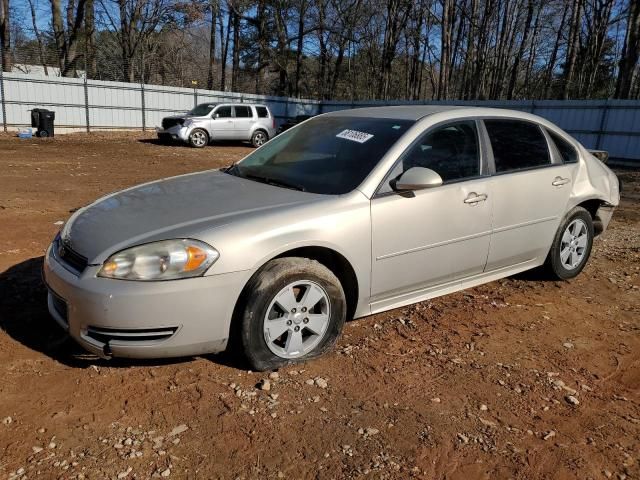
559	181
474	198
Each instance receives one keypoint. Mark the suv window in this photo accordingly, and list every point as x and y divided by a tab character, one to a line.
243	112
450	150
567	152
517	145
262	112
224	112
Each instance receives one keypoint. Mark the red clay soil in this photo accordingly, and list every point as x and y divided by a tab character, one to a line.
520	378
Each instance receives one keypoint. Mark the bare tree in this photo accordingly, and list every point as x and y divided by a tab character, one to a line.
630	52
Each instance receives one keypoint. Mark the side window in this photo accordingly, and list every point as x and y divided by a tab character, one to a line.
224	112
243	112
567	152
262	112
450	150
517	145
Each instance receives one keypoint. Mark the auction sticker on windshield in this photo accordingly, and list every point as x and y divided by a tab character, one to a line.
355	136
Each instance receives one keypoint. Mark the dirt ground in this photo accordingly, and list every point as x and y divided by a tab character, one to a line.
474	385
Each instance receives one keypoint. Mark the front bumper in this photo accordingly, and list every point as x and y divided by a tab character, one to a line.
142	319
177	132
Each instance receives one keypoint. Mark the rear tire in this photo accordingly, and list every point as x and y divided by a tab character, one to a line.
198	138
259	138
294	310
571	246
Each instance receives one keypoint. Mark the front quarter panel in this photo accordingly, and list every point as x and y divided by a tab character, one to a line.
340	223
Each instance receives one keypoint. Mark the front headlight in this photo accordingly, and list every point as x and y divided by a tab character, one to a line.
165	260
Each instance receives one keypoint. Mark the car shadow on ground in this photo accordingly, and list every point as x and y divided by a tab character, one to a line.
25	318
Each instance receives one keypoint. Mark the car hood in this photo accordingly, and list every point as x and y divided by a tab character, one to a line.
175	207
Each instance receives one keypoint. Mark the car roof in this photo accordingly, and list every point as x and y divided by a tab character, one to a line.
416	112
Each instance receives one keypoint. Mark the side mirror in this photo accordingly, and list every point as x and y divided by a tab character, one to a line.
418	178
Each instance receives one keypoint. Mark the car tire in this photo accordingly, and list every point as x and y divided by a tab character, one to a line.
293	311
198	138
571	246
259	138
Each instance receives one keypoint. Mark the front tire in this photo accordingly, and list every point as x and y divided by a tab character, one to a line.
259	138
571	246
198	138
294	311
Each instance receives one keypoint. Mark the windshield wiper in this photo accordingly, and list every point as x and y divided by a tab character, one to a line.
273	181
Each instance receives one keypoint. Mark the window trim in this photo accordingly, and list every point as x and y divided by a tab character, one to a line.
482	153
215	111
553	160
550	135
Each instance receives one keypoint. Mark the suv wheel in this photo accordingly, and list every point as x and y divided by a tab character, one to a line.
572	245
198	138
259	138
294	311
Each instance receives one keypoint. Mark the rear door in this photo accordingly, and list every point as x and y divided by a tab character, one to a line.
243	122
531	188
222	124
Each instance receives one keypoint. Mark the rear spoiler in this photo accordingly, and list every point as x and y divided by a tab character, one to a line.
600	155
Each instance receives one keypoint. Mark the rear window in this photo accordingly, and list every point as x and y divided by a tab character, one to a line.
517	145
243	112
567	152
262	112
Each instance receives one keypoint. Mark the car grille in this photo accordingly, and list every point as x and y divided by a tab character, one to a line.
171	122
68	257
133	336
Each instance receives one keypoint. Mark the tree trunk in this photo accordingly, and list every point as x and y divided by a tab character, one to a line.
554	54
572	47
5	36
36	32
630	53
299	45
224	44
90	40
235	65
523	46
445	49
213	6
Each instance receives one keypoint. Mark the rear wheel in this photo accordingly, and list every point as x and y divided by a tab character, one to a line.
294	311
572	245
198	138
259	138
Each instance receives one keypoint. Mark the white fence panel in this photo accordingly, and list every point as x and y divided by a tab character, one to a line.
612	125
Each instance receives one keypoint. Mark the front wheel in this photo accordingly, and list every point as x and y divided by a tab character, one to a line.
572	245
259	138
294	311
198	138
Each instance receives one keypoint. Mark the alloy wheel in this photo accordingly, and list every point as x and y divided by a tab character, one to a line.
574	244
297	319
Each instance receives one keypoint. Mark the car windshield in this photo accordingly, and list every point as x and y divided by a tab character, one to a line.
327	155
202	109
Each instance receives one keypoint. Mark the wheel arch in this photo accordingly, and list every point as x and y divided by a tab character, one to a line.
592	205
330	258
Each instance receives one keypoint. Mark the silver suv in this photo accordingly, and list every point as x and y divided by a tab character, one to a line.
220	121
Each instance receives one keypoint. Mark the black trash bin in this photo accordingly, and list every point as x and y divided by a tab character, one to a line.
43	120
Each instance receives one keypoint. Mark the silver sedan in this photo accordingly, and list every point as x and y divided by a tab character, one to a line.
345	215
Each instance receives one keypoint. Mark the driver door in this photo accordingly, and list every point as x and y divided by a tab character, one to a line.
437	236
222	123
